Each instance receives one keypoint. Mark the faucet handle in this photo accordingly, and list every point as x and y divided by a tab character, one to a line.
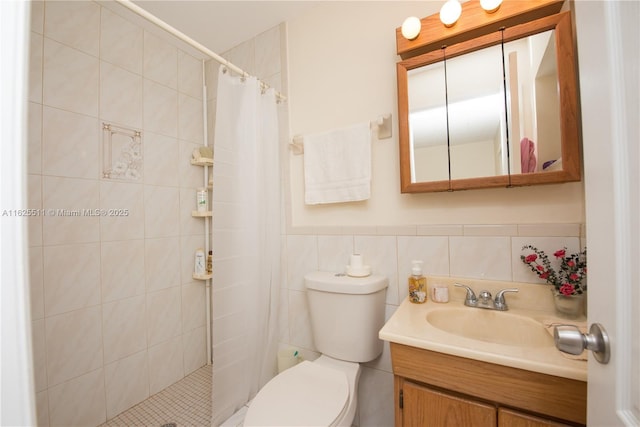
471	298
500	303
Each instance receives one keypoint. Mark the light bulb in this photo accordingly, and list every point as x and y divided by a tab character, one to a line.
450	12
490	6
411	28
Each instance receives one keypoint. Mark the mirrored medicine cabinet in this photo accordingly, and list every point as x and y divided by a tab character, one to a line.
497	110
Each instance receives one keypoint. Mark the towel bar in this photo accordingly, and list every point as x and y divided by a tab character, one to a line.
382	127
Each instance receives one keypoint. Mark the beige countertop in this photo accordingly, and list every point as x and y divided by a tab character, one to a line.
409	326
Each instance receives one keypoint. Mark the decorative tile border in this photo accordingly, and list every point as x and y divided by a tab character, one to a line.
122	153
497	230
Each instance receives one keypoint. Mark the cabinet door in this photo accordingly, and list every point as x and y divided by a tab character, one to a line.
510	418
424	407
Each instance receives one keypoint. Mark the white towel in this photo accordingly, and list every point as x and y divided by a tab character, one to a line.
337	165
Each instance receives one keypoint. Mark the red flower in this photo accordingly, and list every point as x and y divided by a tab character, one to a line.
566	289
568	279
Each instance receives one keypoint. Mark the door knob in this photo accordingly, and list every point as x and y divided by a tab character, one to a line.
569	339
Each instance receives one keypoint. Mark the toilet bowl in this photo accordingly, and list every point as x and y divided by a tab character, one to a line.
346	314
318	393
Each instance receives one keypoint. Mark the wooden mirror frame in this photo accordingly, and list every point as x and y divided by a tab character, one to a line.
569	121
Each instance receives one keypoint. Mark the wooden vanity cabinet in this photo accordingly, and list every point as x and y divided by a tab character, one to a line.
436	389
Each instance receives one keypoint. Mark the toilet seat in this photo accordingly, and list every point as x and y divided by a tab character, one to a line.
309	394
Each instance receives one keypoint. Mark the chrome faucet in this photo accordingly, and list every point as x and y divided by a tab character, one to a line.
484	300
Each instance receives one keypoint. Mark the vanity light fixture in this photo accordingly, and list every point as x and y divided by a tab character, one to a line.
450	12
411	28
490	6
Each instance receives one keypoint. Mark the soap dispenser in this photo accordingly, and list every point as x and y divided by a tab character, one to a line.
417	284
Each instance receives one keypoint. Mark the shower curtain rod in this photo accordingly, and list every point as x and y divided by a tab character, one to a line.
160	23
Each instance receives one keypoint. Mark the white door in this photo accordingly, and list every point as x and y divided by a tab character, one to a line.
608	50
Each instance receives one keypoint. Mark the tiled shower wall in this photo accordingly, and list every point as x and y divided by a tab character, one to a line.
490	252
116	314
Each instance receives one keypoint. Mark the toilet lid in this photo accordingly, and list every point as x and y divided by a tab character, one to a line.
305	395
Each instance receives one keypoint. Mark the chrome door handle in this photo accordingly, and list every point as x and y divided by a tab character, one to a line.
569	339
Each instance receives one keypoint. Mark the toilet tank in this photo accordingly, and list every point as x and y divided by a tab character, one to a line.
346	314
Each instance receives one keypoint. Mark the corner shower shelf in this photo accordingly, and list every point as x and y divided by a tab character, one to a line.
202	276
199	214
204	161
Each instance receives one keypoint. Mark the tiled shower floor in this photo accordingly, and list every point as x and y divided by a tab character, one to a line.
185	403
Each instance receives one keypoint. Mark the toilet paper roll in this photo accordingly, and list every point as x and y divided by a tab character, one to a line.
356	261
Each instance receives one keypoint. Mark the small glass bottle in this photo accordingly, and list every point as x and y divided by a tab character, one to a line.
417	284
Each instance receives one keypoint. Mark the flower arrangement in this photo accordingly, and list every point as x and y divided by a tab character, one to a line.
571	275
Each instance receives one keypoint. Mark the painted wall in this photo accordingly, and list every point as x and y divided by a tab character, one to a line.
116	314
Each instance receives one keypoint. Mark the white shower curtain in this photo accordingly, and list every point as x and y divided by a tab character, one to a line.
246	242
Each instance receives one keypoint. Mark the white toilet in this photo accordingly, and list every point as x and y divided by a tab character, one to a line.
346	315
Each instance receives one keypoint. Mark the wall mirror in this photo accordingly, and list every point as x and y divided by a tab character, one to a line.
498	110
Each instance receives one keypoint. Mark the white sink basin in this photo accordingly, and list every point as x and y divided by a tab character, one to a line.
491	326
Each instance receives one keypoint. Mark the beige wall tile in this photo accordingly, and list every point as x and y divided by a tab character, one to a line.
74	23
161	160
36	282
121	195
124	328
161	211
70	144
165	364
160	61
70	79
38	339
34	201
71	277
74	345
79	402
36	57
70	195
120	96
164	317
189	75
42	408
195	349
37	16
34	141
162	263
126	383
160	105
193	298
481	257
190	176
121	42
190	119
123	267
